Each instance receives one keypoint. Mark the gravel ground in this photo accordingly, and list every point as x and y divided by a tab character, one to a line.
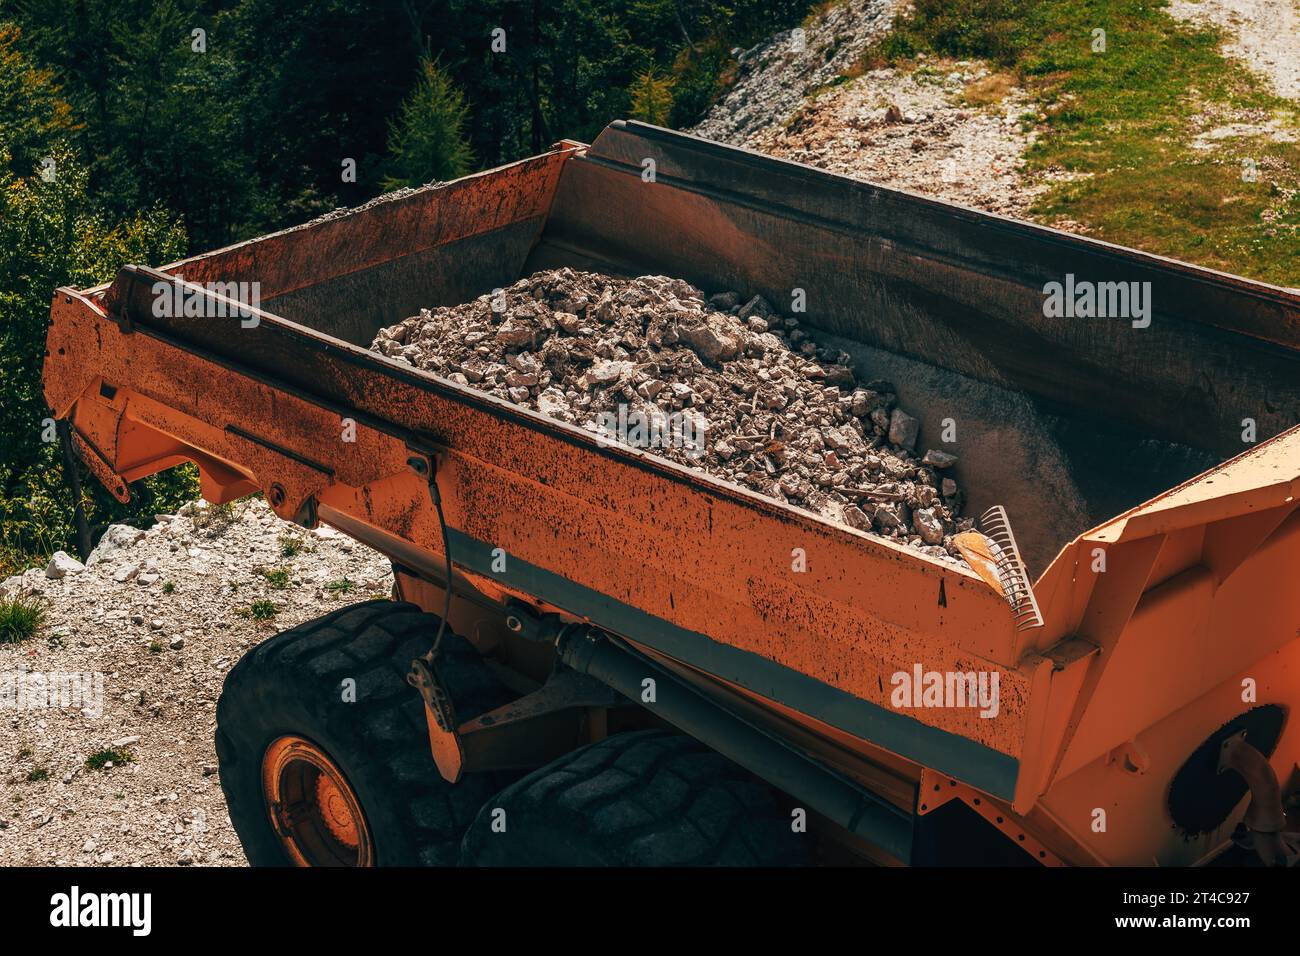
162	618
1263	34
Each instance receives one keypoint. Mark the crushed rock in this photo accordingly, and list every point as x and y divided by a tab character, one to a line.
741	391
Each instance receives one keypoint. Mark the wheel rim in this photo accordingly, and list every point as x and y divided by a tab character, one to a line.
312	807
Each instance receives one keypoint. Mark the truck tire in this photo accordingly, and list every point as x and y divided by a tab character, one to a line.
284	729
644	798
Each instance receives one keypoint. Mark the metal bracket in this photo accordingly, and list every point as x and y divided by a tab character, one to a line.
1130	757
440	716
423	455
538	727
99	465
523	620
423	677
523	734
936	789
306	516
423	465
117	310
123	319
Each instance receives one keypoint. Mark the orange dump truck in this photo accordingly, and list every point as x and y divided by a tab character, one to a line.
595	655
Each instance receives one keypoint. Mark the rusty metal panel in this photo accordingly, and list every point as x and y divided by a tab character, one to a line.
1264	477
347	272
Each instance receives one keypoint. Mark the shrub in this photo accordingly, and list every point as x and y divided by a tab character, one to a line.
20	619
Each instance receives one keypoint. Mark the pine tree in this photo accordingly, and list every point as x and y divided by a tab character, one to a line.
652	97
427	141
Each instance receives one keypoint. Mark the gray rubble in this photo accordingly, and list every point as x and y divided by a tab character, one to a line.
723	383
62	564
160	655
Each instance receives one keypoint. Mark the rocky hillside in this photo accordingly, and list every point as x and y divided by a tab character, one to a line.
1263	34
948	129
777	74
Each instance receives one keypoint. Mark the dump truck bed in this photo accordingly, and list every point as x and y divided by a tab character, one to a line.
1077	426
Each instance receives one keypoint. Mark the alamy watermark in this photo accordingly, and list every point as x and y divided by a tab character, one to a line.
1082	299
919	688
211	300
652	428
52	690
133	911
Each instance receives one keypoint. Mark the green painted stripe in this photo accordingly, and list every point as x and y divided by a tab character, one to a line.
965	760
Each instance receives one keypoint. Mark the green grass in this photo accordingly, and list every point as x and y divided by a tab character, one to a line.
215	519
155	647
341	586
100	759
291	545
997	30
15	559
262	610
1120	123
20	619
277	578
37	774
818	9
169	587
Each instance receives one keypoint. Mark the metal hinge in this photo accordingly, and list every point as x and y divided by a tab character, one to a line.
423	676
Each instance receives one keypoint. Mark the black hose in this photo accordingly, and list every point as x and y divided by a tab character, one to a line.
446	553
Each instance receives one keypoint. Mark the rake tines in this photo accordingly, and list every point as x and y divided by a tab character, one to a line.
1011	568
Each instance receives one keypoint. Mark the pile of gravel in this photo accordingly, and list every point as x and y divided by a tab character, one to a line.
725	386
